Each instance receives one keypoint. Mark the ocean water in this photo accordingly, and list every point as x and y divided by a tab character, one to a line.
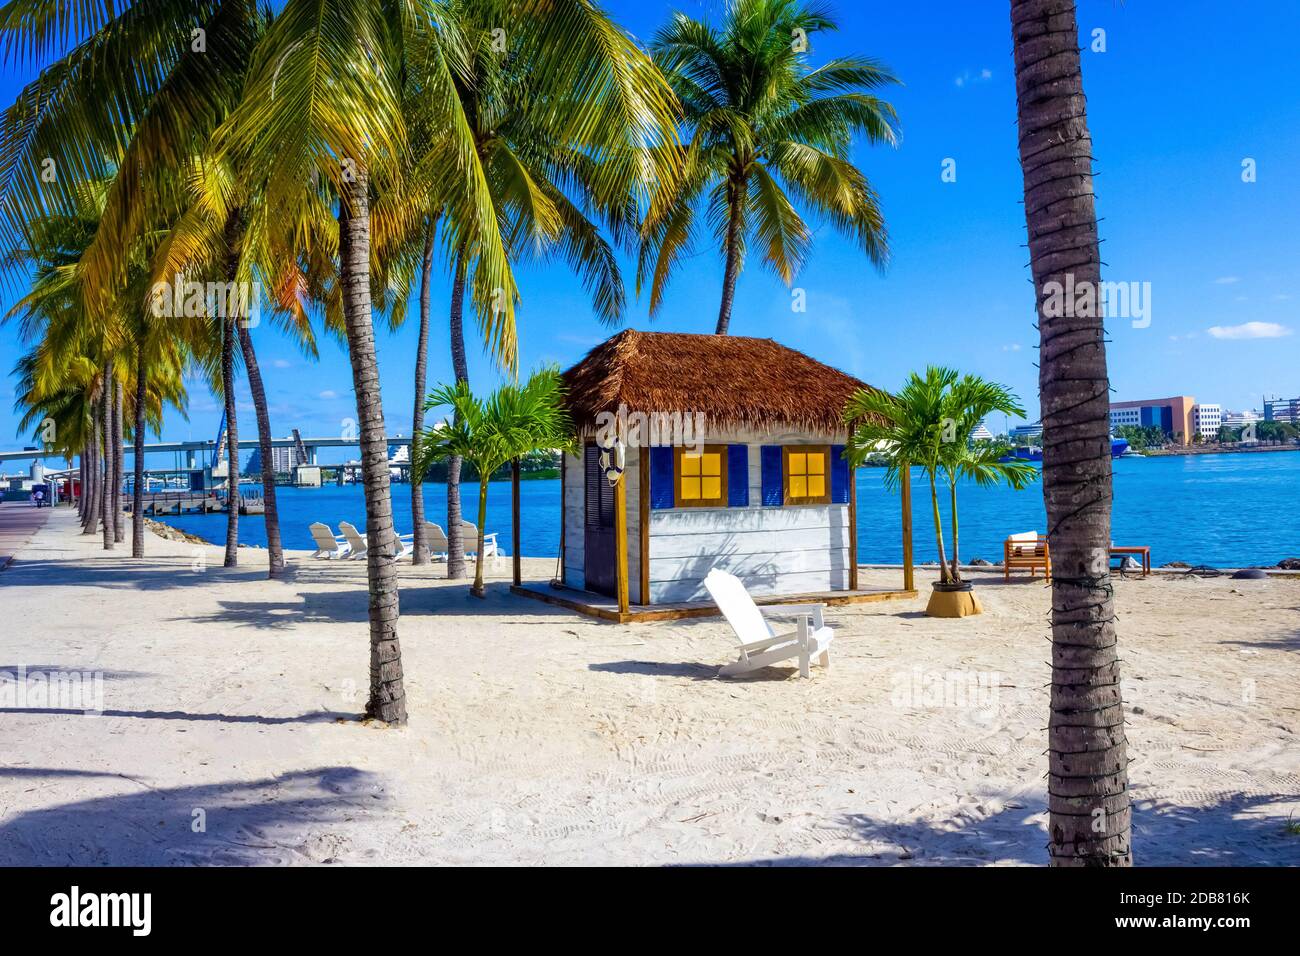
1219	510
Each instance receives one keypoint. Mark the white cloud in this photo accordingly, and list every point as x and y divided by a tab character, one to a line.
1013	347
282	363
328	394
1249	330
1281	297
983	76
1227	280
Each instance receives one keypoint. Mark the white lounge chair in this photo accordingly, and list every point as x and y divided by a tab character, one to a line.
470	533
328	544
760	646
355	539
435	540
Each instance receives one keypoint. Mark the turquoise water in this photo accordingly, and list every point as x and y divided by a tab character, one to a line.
1220	510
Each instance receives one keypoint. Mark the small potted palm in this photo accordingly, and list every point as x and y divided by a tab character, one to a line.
928	425
513	421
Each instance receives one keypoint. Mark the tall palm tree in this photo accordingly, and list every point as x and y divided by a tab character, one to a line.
1087	783
554	175
767	133
508	424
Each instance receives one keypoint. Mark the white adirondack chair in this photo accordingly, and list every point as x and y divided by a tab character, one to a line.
355	539
470	534
436	541
328	544
760	646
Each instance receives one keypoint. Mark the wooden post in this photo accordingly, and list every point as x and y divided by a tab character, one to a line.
620	540
514	518
853	528
905	473
564	467
643	470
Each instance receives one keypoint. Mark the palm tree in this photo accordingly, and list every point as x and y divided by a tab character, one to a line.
970	401
511	422
551	173
766	131
909	428
1089	812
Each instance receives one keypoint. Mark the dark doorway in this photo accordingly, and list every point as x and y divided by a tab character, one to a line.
599	564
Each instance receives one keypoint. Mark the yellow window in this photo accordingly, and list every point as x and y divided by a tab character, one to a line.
805	475
701	477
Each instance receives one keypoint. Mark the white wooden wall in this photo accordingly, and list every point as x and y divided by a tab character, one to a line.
773	550
574	501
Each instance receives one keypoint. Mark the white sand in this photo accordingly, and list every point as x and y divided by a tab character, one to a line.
539	736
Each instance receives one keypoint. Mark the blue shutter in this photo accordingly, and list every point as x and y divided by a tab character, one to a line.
737	476
839	476
662	494
773	480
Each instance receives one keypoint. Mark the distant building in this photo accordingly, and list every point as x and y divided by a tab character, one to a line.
281	461
1022	433
981	433
1282	410
1206	419
1173	416
1242	419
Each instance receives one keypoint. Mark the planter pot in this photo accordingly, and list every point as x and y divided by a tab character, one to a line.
953	600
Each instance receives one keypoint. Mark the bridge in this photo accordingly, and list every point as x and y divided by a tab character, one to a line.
192	449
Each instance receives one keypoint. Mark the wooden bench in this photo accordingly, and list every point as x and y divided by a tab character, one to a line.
1140	551
1026	551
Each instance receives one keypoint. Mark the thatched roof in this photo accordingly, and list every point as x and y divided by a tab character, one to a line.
733	380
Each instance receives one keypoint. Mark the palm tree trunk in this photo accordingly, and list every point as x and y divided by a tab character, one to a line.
232	441
455	526
81	483
477	590
952	497
119	462
419	541
90	522
938	530
106	484
271	514
1089	812
732	271
387	696
137	490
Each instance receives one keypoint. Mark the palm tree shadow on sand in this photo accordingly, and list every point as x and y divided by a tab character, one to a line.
273	821
1236	830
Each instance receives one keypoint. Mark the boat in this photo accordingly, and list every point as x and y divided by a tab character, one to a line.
1118	449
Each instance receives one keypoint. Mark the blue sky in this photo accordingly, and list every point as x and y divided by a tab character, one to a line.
1176	102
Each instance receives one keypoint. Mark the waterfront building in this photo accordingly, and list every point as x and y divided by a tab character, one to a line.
1173	416
1027	433
981	433
1282	410
1242	419
1206	419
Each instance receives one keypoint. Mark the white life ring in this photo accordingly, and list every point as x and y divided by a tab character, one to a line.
612	461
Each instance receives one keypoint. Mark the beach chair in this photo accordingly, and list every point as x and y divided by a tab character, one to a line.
355	539
435	541
470	533
328	544
760	646
1027	550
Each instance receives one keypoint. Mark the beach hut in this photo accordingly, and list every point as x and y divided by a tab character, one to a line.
704	451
